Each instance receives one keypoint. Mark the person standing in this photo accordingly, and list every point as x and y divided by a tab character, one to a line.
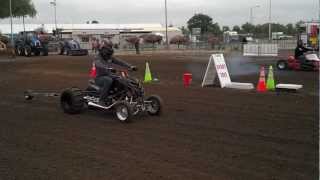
93	42
137	45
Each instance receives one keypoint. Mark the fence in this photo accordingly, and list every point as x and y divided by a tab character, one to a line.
260	49
248	50
282	44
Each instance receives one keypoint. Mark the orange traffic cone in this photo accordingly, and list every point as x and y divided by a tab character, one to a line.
262	81
93	71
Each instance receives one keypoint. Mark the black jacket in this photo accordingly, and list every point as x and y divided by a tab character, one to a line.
300	50
103	67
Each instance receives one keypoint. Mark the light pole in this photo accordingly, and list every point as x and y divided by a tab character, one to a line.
319	31
10	7
270	20
166	17
54	3
251	13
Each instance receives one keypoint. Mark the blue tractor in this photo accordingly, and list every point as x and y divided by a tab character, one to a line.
31	43
72	48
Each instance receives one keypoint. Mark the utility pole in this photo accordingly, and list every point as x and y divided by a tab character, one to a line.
54	3
166	17
251	16
251	13
319	30
10	7
270	28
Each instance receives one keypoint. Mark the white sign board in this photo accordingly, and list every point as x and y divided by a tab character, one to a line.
217	66
222	70
211	74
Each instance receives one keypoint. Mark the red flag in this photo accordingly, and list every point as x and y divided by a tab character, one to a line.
93	71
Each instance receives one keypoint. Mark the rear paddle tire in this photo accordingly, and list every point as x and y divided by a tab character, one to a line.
282	65
72	101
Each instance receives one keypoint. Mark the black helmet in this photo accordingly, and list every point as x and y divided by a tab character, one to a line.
106	43
106	52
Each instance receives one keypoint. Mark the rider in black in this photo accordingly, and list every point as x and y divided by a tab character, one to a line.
299	52
104	64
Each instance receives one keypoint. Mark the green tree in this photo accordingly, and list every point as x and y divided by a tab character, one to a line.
236	28
225	28
20	8
299	27
278	27
200	21
261	30
291	30
248	28
215	29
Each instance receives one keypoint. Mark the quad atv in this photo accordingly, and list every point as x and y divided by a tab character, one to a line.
28	44
72	48
126	98
312	63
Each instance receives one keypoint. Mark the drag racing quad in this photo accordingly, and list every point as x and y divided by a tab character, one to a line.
311	62
126	98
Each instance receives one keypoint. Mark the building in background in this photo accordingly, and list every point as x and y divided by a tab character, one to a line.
308	33
85	33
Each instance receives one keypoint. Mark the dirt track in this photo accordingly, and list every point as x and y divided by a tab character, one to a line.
207	133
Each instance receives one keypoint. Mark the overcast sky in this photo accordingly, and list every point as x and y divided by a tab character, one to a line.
225	12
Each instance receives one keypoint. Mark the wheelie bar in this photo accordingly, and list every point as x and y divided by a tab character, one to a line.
30	94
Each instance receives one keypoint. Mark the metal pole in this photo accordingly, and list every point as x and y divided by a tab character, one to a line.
55	13
166	16
24	29
319	71
251	15
10	6
54	3
270	33
319	31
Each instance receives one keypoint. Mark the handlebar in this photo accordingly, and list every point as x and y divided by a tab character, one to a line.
122	72
114	70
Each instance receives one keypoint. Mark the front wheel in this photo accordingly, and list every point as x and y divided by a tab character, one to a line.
282	65
37	53
20	51
69	53
45	52
27	51
123	111
154	105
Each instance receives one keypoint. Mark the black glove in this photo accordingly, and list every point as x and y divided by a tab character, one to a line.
112	70
134	68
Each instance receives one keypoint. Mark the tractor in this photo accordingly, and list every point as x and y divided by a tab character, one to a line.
72	48
31	43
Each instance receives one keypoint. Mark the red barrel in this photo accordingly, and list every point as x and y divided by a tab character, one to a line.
187	79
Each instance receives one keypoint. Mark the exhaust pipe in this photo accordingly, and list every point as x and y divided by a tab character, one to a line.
100	106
